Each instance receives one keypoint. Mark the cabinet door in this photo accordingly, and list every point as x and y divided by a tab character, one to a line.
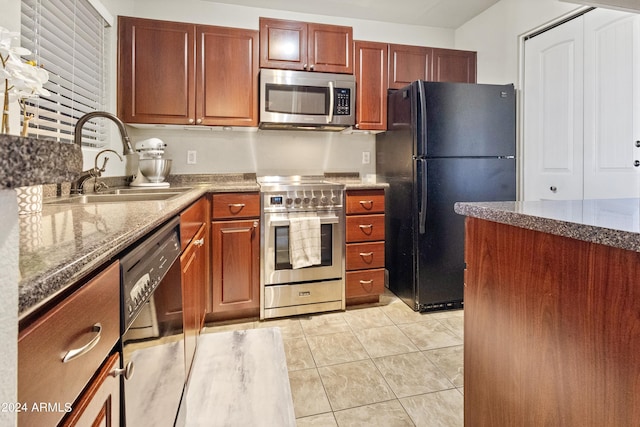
227	76
100	404
193	262
407	64
156	81
553	113
329	48
458	66
283	44
611	104
371	61
236	266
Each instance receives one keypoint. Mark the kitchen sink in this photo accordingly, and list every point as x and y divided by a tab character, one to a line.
120	195
133	190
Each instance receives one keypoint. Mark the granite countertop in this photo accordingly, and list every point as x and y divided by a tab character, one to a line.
611	222
63	244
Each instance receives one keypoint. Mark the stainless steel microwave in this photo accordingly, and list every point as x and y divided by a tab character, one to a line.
306	100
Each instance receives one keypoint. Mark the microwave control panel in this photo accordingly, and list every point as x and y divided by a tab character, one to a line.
343	102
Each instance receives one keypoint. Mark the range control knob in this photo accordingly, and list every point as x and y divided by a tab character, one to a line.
289	200
298	200
324	200
334	199
314	201
305	201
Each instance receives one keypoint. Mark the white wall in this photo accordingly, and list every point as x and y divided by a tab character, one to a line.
494	35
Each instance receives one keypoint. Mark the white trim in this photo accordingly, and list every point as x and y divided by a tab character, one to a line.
103	11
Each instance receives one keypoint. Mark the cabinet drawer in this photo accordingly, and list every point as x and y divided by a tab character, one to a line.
365	228
364	283
191	219
362	256
365	201
89	316
236	205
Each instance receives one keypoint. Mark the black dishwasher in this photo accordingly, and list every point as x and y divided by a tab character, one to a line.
152	332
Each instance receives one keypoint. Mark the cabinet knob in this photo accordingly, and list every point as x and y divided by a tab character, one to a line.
553	188
199	242
191	121
126	372
311	67
636	163
199	121
304	66
638	144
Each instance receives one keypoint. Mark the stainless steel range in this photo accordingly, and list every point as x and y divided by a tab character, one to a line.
302	265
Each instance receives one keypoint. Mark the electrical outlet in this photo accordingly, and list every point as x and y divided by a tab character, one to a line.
191	157
366	157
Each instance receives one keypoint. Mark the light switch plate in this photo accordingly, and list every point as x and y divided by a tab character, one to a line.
191	157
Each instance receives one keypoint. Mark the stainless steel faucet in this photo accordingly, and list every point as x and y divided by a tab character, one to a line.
126	142
77	187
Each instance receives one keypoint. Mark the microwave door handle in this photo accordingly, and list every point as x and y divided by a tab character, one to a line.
331	103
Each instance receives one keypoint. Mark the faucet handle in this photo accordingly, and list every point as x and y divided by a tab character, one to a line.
104	165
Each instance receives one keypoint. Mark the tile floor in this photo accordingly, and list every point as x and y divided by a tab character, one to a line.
382	365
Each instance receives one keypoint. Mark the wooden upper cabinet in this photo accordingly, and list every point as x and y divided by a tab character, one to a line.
179	73
155	71
407	64
283	44
371	68
410	63
227	76
449	65
293	45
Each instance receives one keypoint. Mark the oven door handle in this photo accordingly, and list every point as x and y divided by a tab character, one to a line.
285	222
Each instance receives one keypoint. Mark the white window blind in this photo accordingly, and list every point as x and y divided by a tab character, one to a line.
68	38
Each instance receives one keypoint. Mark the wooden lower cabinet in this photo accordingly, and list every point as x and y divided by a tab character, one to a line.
235	268
100	403
365	234
53	369
551	330
193	262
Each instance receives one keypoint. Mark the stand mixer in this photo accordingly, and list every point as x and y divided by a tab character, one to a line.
153	168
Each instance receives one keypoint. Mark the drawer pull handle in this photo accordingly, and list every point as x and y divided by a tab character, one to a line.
77	352
367	204
366	254
199	242
366	282
126	372
367	227
235	208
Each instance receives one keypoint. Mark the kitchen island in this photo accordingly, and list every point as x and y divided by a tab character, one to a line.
552	313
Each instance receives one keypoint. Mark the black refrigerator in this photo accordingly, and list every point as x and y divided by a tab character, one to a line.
445	143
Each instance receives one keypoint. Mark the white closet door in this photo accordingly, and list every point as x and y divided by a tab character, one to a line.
612	104
553	113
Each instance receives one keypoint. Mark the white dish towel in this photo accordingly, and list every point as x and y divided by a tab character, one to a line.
304	241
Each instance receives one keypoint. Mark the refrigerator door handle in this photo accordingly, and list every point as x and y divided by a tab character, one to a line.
422	134
422	216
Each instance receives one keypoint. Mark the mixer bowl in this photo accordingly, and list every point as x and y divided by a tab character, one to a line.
155	170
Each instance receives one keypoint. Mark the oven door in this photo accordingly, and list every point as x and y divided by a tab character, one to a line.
154	345
277	265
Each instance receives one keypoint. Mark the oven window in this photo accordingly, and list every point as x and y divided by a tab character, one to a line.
282	247
293	99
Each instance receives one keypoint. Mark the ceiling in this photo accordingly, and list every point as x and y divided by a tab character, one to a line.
430	13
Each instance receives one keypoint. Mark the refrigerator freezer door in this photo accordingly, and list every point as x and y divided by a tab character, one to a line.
440	250
469	120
